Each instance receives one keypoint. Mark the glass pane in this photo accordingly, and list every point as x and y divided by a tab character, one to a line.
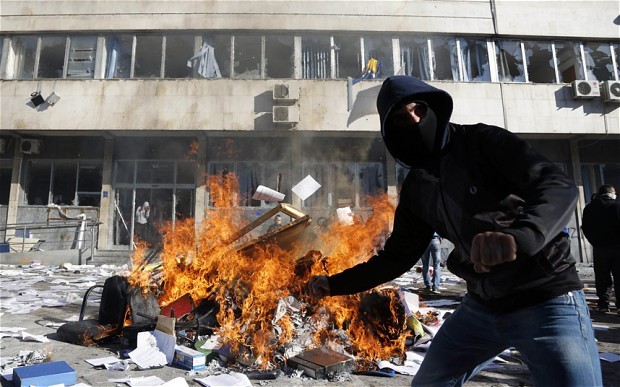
348	56
379	48
184	206
371	181
185	172
82	53
38	182
414	57
179	48
598	61
20	61
52	57
247	56
221	51
509	61
617	55
148	56
475	66
89	184
315	57
343	188
155	172
445	59
63	191
279	56
319	172
118	61
249	178
569	62
5	181
124	172
123	216
539	59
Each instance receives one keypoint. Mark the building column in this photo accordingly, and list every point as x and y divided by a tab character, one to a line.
201	188
15	190
106	206
584	251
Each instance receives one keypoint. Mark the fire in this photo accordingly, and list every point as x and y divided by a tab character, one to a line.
255	290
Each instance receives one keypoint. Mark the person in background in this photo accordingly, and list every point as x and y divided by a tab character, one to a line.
601	226
277	222
503	205
142	218
432	252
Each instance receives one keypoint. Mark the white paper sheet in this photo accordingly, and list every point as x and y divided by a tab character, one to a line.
306	187
233	379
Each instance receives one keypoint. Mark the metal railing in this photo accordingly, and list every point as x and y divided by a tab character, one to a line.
71	234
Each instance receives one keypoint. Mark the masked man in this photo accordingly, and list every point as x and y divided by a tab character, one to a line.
503	206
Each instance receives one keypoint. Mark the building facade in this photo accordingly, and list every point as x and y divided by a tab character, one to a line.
110	104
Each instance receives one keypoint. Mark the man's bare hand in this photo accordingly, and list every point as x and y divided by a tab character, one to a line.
492	248
318	287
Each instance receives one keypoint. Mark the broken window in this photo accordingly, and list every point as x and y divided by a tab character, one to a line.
89	184
248	56
82	54
445	59
414	57
279	57
118	60
221	49
5	181
315	57
509	61
371	181
148	56
179	48
21	57
475	60
343	184
598	61
379	48
568	57
52	57
348	56
64	182
38	182
539	59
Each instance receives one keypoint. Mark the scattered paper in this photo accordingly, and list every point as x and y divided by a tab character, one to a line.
40	338
345	215
410	367
176	382
306	187
233	379
101	361
147	355
267	194
145	381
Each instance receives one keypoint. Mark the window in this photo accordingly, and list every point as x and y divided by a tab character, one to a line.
414	57
445	59
509	61
221	49
539	60
279	57
52	57
616	49
316	57
599	65
247	56
82	53
21	57
63	182
570	67
5	181
148	56
179	48
348	56
475	60
119	51
379	48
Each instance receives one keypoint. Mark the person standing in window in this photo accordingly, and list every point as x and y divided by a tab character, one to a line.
142	218
433	252
601	225
503	205
277	222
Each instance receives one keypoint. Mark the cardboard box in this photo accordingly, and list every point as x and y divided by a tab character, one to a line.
189	359
44	374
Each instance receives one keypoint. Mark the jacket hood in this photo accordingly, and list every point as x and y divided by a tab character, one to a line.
400	87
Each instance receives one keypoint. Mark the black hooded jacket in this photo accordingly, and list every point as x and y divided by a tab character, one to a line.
485	179
601	222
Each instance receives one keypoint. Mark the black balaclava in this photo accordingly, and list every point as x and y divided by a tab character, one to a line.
418	145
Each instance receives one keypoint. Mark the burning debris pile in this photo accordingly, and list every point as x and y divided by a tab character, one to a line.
256	294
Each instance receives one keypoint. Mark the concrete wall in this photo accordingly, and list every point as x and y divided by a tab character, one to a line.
246	105
550	18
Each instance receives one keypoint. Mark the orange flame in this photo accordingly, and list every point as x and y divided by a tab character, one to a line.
249	288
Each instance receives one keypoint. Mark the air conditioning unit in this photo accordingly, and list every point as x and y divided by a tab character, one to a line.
611	91
284	92
586	89
285	114
31	146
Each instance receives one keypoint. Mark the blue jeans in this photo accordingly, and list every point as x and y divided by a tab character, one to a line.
555	339
433	251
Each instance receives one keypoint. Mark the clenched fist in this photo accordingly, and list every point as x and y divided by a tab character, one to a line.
318	287
492	248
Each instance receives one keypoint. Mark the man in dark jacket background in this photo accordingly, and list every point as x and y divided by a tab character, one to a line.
601	225
503	206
